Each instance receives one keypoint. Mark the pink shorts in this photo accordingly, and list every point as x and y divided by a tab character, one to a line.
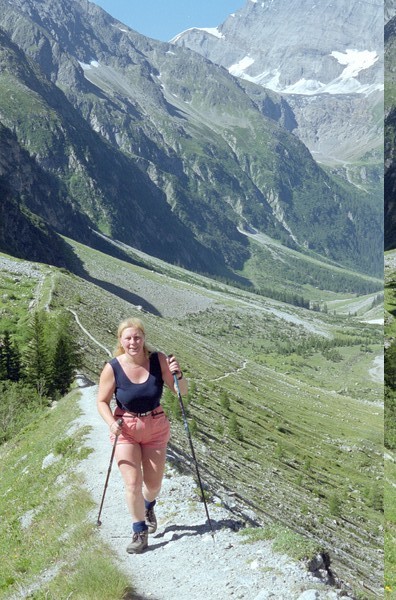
151	431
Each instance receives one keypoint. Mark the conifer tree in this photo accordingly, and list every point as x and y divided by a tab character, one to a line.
225	401
65	358
10	359
234	428
36	356
2	362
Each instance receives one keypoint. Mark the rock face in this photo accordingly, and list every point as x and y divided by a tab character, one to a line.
299	46
316	54
389	10
26	191
390	136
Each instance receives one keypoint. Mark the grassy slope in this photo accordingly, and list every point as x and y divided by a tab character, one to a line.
311	448
49	546
390	470
285	269
390	526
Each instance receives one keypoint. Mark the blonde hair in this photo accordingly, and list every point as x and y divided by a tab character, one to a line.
136	324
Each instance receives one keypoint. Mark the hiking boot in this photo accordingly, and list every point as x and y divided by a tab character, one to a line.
139	542
151	520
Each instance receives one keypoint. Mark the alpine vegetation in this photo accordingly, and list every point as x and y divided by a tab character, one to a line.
235	206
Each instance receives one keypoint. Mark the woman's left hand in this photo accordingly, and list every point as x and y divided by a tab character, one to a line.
179	386
173	365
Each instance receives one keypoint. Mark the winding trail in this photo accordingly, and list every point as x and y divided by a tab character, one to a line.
183	561
229	373
87	332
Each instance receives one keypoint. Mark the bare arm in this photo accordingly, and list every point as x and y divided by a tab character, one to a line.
105	394
169	365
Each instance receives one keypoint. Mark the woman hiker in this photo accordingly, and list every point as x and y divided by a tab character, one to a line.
136	377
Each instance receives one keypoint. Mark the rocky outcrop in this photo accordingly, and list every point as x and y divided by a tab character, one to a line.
26	192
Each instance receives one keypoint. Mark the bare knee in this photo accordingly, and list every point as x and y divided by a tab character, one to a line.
151	490
152	483
133	486
133	480
153	471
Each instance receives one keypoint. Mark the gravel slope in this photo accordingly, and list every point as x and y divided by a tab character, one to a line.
184	561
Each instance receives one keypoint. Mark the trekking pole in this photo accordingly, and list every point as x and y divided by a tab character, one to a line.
192	451
99	522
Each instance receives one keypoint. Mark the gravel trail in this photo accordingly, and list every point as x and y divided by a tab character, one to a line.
184	561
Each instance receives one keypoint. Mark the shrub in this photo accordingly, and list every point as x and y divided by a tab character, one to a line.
234	428
224	400
17	400
335	505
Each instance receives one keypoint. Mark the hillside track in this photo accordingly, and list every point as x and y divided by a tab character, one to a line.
189	563
301	443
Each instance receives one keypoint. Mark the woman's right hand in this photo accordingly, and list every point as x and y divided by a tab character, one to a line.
115	427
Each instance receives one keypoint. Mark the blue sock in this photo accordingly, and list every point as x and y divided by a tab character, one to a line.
139	526
148	504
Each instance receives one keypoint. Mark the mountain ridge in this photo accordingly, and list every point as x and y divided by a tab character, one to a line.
316	57
158	115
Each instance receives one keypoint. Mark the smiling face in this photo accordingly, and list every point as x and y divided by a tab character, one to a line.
132	340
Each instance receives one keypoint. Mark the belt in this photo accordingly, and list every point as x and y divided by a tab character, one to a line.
144	414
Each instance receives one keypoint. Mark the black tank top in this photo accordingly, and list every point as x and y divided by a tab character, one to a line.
138	397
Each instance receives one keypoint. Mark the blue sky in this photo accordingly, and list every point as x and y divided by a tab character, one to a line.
163	19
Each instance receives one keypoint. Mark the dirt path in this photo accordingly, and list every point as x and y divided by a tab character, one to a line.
183	561
229	373
91	337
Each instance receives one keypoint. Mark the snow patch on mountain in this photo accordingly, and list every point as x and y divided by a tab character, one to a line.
211	30
238	69
355	61
86	67
120	28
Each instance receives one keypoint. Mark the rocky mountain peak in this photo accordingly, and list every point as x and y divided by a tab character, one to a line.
299	47
325	57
